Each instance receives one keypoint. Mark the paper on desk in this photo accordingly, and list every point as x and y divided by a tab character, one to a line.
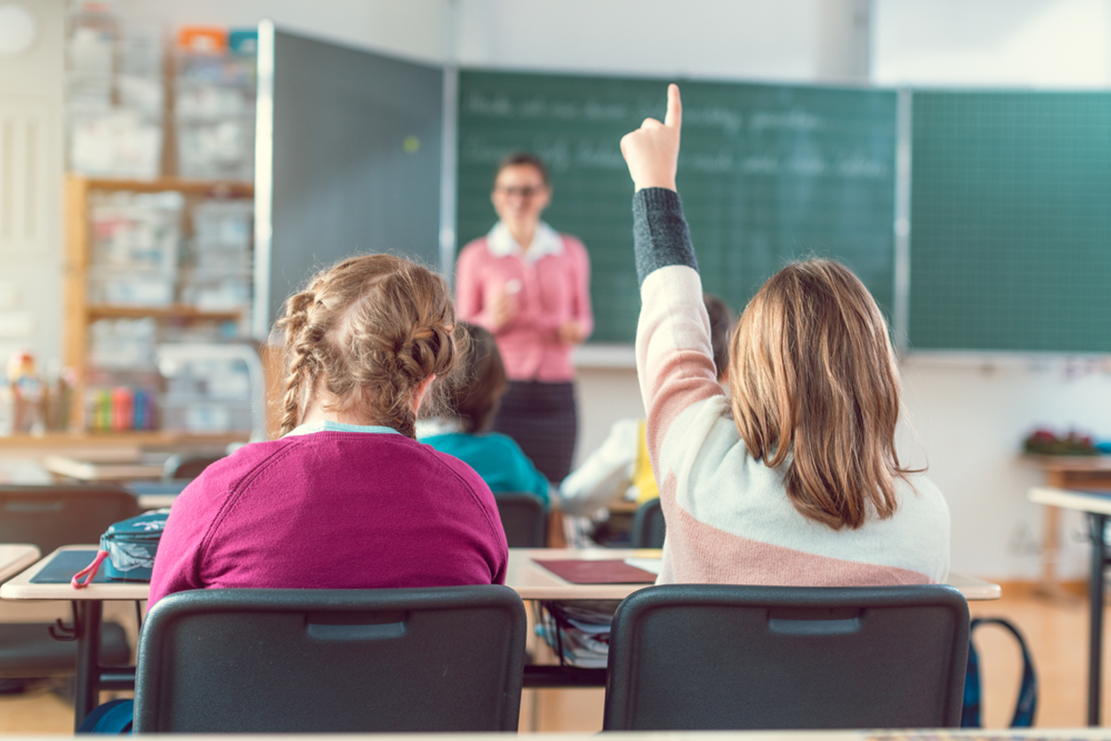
651	565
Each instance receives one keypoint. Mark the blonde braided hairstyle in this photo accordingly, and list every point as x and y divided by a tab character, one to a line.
365	335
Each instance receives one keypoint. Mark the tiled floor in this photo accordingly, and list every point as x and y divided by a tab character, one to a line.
1056	632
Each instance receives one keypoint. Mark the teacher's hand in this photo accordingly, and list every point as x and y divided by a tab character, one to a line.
502	309
652	151
571	332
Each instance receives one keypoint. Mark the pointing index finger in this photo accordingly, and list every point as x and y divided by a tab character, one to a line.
674	107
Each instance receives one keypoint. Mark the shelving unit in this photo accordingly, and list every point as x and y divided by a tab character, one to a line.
79	312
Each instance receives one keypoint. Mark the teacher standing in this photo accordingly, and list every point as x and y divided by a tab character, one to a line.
529	286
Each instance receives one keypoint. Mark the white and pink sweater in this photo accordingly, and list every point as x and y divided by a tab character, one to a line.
728	516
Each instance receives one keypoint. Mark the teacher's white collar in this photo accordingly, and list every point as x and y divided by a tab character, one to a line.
546	241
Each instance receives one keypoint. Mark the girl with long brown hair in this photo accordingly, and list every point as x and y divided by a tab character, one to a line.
346	497
795	480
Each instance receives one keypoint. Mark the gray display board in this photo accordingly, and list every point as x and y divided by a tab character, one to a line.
356	160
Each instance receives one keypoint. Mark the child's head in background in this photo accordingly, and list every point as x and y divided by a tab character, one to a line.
815	388
475	389
721	328
364	340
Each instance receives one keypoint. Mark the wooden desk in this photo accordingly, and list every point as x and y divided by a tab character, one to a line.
1097	505
530	580
1083	472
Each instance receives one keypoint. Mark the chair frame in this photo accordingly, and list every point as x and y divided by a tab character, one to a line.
202	653
538	527
787	657
644	521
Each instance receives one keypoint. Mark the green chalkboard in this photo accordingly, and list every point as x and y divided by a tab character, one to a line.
1011	222
767	173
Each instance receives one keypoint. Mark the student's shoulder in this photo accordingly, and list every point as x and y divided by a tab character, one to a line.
921	497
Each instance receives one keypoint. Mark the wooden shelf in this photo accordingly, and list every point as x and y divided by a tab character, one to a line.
154	439
174	311
216	188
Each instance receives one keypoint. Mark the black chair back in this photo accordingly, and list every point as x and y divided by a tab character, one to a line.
323	661
523	518
728	657
648	526
50	516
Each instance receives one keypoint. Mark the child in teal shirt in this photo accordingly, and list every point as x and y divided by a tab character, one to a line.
472	399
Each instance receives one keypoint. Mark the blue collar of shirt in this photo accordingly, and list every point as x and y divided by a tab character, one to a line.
329	426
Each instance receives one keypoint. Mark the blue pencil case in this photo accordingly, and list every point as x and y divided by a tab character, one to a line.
131	545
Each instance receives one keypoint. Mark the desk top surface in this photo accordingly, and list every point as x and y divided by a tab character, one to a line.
15	557
524	575
1084	501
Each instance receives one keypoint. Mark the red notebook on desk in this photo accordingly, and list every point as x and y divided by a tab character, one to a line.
605	571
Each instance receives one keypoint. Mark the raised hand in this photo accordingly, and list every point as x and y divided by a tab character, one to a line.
652	151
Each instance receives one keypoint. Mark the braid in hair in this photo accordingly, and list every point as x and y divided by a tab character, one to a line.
298	357
369	332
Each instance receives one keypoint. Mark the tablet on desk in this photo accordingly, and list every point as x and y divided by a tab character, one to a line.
61	568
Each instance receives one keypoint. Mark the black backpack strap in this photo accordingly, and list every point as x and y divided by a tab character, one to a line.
970	709
1027	702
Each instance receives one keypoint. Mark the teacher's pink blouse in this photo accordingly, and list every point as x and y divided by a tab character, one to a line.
552	285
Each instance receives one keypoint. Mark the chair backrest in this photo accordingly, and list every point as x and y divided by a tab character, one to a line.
180	466
317	660
728	657
53	515
523	518
648	526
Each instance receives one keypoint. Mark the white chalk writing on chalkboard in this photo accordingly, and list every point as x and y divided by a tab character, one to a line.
794	120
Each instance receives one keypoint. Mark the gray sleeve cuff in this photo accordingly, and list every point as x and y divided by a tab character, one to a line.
660	234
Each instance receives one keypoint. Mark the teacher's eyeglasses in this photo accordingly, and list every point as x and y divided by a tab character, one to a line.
526	192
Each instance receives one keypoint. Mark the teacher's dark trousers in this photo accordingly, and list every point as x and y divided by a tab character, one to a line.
542	418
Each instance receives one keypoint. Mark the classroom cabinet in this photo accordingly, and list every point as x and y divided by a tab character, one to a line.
147	263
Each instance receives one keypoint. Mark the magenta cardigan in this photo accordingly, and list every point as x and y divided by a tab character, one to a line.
332	510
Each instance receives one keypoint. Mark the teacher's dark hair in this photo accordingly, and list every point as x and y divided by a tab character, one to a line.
514	159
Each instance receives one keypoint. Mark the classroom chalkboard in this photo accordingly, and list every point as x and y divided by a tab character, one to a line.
767	173
1011	222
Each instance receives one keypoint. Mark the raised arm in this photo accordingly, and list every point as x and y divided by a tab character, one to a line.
674	355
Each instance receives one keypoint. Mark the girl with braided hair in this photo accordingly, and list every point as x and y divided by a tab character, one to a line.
346	497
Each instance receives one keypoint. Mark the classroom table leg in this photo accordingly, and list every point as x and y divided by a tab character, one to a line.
88	615
1095	629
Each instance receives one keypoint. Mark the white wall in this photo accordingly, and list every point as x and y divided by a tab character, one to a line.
31	190
418	29
992	43
798	40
